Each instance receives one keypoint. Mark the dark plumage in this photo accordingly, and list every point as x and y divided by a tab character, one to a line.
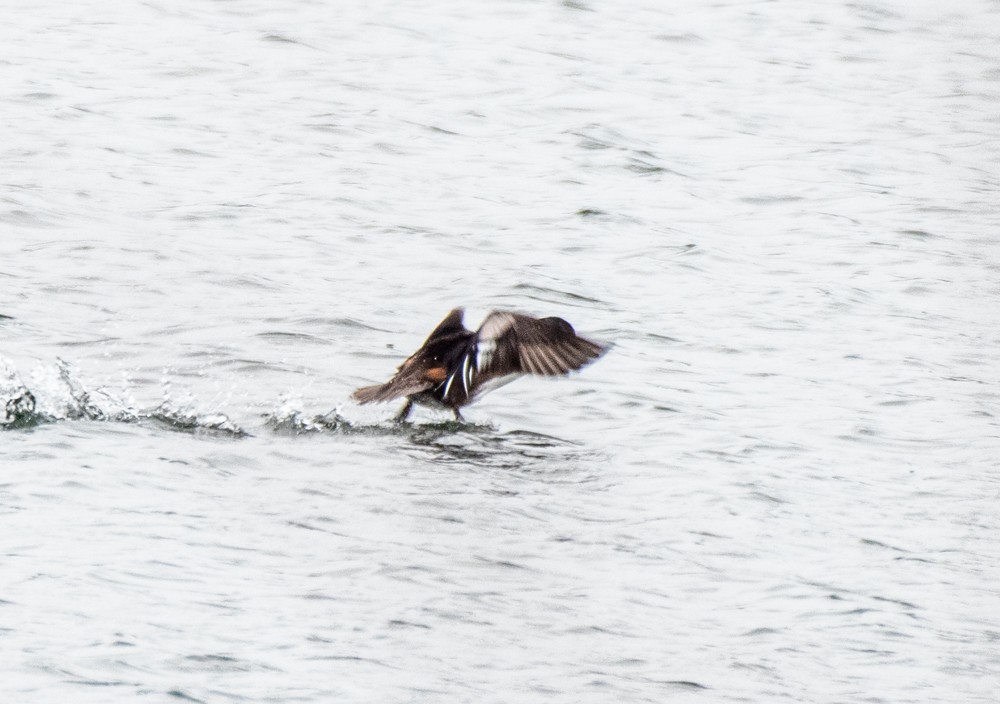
455	365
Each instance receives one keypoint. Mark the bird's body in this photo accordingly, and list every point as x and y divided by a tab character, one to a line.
455	365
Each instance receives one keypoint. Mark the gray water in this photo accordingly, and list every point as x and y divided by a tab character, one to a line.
219	218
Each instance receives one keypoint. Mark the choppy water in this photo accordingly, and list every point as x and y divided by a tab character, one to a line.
219	218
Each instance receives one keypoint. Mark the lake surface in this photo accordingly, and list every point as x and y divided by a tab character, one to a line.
217	219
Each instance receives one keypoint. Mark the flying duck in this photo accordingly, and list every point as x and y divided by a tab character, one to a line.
455	365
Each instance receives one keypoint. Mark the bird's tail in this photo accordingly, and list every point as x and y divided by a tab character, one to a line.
370	394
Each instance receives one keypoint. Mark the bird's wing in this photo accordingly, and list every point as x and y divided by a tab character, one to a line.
451	324
511	343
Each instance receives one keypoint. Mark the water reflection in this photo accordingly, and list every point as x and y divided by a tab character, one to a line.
483	446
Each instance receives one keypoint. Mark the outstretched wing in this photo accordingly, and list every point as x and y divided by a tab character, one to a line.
511	343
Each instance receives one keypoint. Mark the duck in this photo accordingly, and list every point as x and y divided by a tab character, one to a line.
456	366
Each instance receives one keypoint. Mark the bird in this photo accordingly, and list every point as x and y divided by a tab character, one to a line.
455	366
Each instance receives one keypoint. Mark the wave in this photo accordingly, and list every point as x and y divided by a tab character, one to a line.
57	393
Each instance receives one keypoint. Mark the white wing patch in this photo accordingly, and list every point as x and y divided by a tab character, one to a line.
495	325
484	352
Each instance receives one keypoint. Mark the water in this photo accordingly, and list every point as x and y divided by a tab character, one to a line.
219	218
